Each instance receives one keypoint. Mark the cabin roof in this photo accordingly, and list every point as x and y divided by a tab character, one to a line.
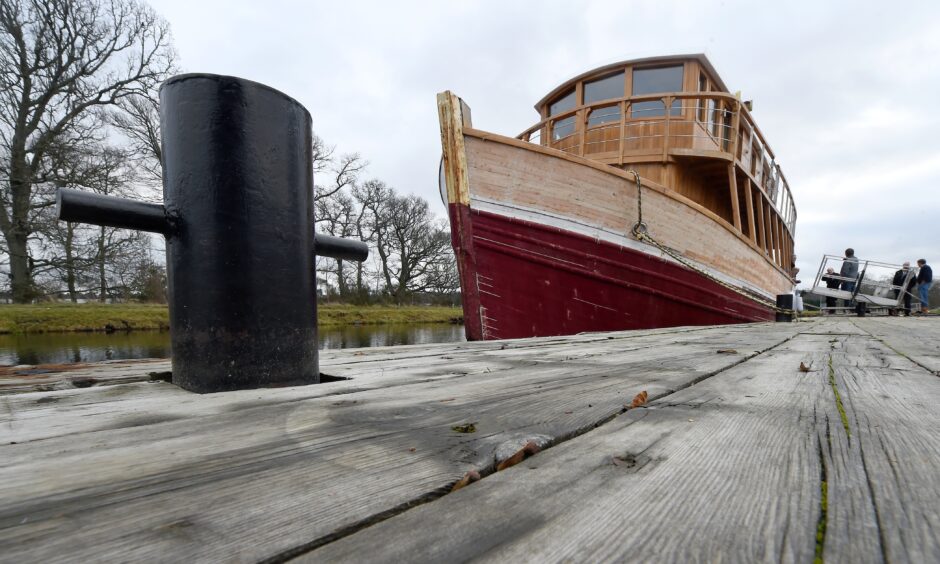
700	57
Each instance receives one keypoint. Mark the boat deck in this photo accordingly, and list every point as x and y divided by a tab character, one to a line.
738	455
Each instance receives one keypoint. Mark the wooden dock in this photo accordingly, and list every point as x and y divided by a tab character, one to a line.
738	455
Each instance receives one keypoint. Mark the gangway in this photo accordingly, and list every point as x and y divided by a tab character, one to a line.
874	284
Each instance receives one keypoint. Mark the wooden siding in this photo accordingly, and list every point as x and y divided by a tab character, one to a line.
508	171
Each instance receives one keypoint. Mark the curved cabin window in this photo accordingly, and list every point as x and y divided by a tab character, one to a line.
562	128
655	81
601	116
562	104
604	88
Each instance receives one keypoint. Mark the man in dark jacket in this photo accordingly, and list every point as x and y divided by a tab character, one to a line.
924	280
849	270
832	282
898	280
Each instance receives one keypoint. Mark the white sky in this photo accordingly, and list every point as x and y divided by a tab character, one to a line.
846	93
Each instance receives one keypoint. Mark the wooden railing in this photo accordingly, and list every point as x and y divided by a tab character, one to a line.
640	129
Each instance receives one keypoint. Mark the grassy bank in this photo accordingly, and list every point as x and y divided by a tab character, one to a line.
51	318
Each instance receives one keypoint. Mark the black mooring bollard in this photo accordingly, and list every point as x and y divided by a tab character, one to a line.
784	301
238	218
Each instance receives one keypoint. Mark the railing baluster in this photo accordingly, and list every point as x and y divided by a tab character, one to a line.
668	107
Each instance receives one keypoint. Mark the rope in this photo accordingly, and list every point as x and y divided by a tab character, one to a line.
641	232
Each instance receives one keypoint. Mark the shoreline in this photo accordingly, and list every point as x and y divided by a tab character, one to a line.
34	319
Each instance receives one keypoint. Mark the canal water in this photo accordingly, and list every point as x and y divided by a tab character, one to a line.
92	347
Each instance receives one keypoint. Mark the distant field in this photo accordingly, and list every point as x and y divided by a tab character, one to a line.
51	318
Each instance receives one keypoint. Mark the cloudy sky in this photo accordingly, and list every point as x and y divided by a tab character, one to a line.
847	93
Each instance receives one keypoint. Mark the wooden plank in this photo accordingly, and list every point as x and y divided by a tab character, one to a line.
726	470
48	377
884	497
761	230
749	200
916	338
26	417
733	188
731	469
769	223
261	477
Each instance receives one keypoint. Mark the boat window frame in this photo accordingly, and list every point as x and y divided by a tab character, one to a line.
622	72
573	124
591	111
674	111
573	92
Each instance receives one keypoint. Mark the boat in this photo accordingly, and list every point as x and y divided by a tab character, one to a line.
644	197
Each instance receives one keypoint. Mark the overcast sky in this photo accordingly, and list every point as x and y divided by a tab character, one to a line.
846	93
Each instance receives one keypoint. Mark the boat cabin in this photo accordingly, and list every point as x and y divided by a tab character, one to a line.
673	120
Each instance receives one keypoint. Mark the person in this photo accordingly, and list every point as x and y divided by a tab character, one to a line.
924	280
849	270
832	282
898	280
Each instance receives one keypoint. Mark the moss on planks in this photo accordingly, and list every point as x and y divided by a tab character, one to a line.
839	406
821	525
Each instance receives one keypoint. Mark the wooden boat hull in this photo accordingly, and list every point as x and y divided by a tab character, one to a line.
528	280
544	246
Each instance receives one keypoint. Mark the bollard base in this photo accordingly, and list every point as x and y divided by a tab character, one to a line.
784	301
221	361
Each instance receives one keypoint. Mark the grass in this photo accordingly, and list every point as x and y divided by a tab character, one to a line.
345	314
54	318
58	317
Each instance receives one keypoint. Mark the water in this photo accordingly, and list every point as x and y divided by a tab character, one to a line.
56	348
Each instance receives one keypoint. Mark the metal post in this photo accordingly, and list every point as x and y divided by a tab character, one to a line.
784	301
238	217
339	248
238	171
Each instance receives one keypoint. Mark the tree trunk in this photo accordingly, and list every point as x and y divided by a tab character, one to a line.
102	281
20	282
341	280
17	234
70	262
360	294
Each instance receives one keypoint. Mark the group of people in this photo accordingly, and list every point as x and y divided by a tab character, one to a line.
921	281
848	278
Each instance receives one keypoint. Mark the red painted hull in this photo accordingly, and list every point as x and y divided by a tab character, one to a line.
523	279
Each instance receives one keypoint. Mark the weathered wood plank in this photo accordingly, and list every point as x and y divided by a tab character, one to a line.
867	426
917	338
111	407
47	378
892	443
268	471
726	470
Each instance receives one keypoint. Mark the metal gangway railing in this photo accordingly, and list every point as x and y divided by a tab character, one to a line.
873	285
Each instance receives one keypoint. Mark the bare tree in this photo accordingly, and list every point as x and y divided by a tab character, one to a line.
413	248
61	62
113	175
88	257
336	215
137	117
341	171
